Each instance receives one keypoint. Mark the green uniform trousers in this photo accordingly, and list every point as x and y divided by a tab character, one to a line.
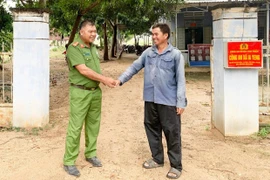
85	107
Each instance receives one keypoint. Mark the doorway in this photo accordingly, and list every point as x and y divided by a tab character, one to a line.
193	36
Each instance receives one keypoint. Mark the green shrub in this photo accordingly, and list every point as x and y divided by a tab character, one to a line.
264	131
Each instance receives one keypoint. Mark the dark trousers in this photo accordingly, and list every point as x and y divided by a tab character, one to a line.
158	118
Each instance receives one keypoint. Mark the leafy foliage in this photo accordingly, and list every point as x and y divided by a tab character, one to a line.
134	16
264	132
5	27
139	15
30	3
64	13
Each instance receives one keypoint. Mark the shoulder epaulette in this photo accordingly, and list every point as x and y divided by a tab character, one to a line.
75	44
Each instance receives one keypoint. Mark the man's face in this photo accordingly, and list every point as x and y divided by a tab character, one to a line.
158	37
88	33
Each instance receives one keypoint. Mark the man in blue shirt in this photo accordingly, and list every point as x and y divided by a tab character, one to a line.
164	96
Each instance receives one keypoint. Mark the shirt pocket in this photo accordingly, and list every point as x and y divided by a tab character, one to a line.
87	57
89	62
150	60
166	63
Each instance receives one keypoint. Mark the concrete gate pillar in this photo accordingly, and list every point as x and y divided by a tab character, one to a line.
235	107
30	68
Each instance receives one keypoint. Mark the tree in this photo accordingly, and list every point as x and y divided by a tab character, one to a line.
136	15
105	54
66	16
31	3
146	14
5	27
72	11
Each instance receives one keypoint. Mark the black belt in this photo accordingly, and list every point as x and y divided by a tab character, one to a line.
83	87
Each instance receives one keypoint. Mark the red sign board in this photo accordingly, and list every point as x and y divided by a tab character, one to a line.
245	54
193	24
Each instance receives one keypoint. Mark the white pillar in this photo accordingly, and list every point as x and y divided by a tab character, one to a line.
31	68
235	102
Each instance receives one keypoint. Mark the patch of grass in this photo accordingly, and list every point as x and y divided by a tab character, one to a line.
17	129
9	129
198	76
57	52
34	131
205	104
207	128
47	127
54	49
53	124
3	129
27	131
264	132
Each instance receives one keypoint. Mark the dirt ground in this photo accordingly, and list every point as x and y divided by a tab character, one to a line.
122	145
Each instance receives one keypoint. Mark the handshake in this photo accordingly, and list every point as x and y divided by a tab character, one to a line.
110	82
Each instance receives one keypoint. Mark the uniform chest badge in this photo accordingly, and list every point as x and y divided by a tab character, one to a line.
86	54
75	44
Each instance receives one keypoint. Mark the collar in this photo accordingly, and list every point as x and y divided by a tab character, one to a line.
168	49
81	43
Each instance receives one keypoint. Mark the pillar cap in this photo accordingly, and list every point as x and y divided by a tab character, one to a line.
35	10
234	12
236	4
30	15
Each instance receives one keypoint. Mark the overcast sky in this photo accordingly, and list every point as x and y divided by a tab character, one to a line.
9	4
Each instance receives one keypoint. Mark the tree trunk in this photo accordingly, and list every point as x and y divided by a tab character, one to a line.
135	40
74	29
77	22
78	19
114	50
106	51
101	42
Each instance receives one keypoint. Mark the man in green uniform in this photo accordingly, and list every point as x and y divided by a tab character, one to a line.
85	97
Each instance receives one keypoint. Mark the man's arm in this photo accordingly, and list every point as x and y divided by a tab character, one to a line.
133	69
181	84
89	73
76	60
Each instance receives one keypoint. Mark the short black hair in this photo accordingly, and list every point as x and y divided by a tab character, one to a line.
86	22
164	28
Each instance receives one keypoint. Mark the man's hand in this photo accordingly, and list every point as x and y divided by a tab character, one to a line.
118	82
89	73
180	111
109	82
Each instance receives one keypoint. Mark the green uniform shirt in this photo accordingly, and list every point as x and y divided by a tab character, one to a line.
79	53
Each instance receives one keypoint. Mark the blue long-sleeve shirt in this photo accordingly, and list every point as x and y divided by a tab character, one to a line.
164	76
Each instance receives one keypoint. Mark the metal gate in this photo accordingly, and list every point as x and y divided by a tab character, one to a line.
6	88
6	67
264	82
